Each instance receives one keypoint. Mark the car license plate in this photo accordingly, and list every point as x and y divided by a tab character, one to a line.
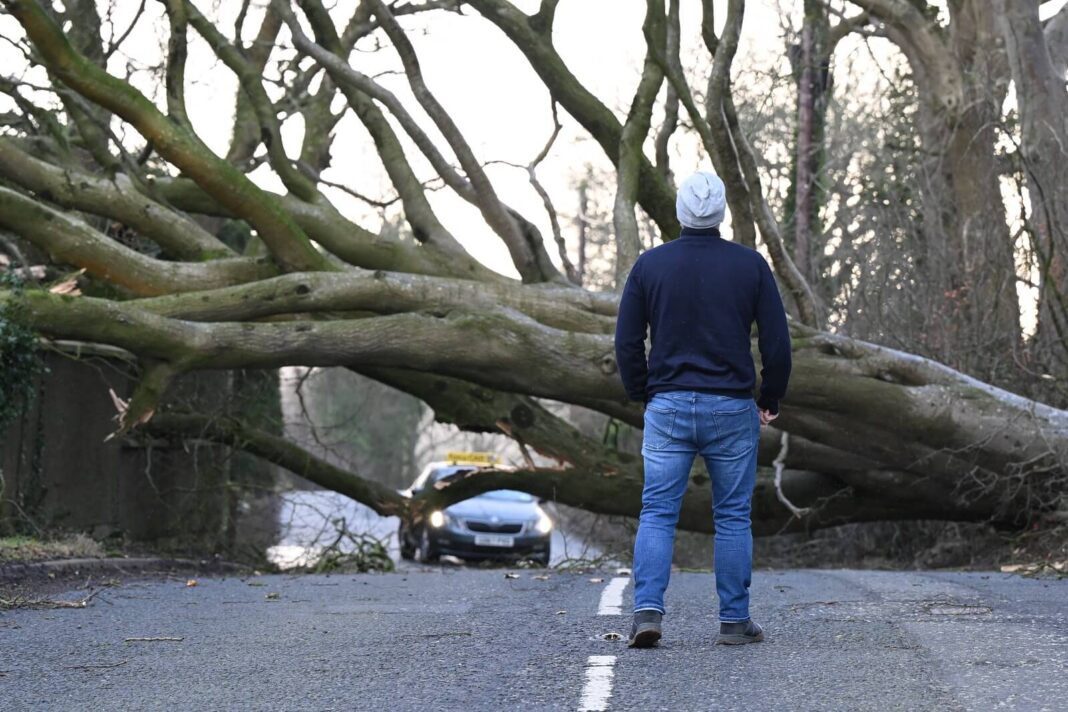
494	540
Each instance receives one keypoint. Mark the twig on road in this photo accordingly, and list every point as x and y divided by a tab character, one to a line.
90	666
24	602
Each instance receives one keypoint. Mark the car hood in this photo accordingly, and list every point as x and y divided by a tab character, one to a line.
486	509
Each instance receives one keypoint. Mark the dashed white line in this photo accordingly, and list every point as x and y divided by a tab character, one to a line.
598	687
612	597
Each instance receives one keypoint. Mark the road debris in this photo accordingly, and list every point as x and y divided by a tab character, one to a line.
100	666
24	602
155	639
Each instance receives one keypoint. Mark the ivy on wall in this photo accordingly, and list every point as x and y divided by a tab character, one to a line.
20	361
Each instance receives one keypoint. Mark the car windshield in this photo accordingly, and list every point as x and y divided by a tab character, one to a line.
507	496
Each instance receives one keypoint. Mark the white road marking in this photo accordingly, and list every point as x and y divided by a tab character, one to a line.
612	597
598	687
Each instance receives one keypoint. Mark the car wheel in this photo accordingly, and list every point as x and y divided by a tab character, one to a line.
428	553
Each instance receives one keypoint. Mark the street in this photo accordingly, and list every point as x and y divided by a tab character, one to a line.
459	639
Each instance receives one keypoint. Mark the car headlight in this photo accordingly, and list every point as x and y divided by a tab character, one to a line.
437	519
543	525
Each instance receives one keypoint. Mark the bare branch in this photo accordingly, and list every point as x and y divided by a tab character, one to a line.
631	140
384	293
287	243
529	259
177	51
535	41
280	451
116	42
926	51
71	241
671	99
117	199
719	106
246	132
249	76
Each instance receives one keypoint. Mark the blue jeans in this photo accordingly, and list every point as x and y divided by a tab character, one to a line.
725	431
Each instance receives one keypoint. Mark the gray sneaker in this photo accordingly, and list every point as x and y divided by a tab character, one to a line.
645	630
740	633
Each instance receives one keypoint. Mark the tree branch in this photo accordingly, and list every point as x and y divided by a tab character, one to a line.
535	42
631	140
70	240
382	293
287	243
117	199
279	451
529	258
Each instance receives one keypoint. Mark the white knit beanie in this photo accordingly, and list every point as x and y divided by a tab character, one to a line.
701	201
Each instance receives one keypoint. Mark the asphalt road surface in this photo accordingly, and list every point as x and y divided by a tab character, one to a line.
459	639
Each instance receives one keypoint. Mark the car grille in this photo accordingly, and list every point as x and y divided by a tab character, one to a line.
498	528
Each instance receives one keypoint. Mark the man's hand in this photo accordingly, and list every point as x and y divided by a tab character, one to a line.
766	416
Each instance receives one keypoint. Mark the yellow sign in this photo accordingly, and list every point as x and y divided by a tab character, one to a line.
471	458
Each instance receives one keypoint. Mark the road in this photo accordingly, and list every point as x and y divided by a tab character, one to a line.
457	639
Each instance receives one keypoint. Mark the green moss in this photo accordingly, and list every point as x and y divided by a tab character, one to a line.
20	362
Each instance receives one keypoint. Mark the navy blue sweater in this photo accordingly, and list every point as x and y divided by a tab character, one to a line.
699	295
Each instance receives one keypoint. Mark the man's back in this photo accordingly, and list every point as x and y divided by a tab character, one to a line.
699	296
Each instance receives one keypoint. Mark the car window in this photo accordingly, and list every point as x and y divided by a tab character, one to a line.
508	496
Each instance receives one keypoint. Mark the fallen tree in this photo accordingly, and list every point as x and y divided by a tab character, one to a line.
867	432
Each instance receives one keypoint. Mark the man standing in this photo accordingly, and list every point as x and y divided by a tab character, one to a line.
699	296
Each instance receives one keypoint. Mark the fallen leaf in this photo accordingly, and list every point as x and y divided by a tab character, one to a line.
190	583
560	613
511	576
256	583
596	580
541	578
613	636
623	572
273	596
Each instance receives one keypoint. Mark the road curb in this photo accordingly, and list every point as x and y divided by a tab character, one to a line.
63	568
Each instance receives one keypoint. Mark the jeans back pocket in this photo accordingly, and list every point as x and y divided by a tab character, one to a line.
659	427
737	430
